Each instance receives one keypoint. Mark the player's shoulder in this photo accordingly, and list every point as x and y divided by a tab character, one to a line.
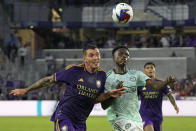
74	67
101	70
109	73
133	71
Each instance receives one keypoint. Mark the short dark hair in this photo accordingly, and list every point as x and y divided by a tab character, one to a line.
88	46
149	63
119	47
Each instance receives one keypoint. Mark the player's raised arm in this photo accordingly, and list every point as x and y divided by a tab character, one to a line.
39	84
160	84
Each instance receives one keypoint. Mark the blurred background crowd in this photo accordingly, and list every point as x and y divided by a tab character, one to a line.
34	31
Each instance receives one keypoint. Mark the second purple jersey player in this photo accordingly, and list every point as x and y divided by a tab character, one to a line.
151	101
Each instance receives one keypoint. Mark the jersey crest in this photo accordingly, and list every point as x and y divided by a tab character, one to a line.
133	79
98	83
64	128
81	80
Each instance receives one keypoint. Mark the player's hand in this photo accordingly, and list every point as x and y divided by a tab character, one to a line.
176	108
18	92
117	92
120	85
170	80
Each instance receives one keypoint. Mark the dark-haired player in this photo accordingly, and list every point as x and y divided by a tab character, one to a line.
123	112
85	87
151	101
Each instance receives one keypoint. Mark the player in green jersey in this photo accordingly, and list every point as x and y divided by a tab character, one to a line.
123	112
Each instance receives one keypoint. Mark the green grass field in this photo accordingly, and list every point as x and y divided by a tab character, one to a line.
93	124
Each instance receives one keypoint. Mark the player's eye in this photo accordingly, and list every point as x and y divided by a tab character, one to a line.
90	55
120	53
127	54
97	54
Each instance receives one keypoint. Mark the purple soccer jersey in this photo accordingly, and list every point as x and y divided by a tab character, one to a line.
151	102
81	92
66	125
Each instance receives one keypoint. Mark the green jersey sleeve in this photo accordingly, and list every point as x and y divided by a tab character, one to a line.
142	79
108	83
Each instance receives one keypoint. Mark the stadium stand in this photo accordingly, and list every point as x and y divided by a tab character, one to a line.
163	34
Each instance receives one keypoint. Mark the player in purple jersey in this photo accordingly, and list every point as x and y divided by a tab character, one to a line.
85	87
151	101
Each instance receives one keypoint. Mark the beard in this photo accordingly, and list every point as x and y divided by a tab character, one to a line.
93	65
96	65
122	64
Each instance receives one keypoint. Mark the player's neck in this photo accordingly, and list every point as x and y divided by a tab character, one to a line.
153	77
90	70
120	70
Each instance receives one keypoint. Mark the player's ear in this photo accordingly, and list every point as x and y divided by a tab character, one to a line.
84	58
113	57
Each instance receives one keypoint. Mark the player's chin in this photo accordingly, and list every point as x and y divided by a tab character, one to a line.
95	66
122	64
150	74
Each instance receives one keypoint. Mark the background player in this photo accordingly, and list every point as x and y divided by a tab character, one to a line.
85	87
123	112
151	101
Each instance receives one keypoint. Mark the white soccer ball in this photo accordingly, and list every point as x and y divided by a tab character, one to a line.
122	13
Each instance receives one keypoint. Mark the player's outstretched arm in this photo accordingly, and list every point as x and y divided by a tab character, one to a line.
114	93
160	84
106	103
39	84
173	102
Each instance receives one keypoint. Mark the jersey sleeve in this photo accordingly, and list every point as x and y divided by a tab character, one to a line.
167	90
108	86
142	79
139	90
108	83
63	75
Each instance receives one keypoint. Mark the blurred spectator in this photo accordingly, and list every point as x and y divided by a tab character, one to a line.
173	54
51	64
11	48
9	82
22	53
64	63
139	40
164	41
61	45
193	41
187	41
110	43
185	87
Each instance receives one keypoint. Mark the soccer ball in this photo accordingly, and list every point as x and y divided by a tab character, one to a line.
122	13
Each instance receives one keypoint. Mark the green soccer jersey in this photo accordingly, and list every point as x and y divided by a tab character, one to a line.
127	106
